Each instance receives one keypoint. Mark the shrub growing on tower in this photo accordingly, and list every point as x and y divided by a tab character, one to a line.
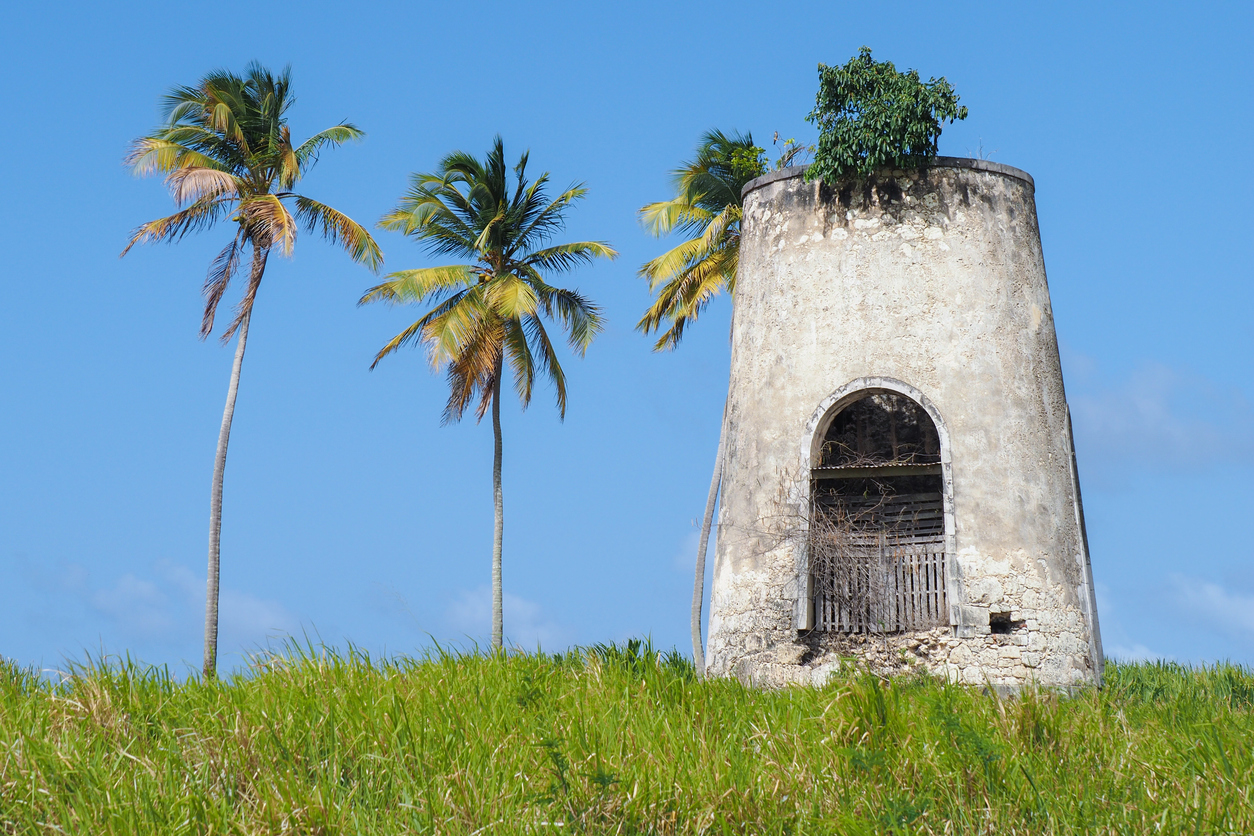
872	116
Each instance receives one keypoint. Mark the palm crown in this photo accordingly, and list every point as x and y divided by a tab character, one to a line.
227	152
490	311
707	206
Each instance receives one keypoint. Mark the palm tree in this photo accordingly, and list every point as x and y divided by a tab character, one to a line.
490	312
227	153
706	206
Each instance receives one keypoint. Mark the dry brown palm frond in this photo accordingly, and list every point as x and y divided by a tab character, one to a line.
194	183
244	308
269	222
472	373
220	274
289	166
173	227
148	155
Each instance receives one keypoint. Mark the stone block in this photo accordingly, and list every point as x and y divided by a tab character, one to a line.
787	654
820	675
985	591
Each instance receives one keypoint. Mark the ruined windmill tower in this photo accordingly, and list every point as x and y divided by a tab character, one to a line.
899	478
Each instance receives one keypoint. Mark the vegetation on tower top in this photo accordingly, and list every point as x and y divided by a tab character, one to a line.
872	116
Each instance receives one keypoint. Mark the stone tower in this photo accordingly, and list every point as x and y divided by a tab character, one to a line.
899	480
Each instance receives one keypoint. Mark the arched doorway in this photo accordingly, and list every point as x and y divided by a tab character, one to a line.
876	548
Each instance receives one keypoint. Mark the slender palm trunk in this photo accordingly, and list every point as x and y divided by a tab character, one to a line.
219	467
498	621
698	584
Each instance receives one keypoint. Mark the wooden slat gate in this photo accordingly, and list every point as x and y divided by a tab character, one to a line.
885	573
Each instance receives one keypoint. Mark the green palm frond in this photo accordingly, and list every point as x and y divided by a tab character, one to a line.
484	239
461	167
518	354
547	359
416	285
681	300
452	329
676	214
538	220
673	262
428	328
510	297
308	151
426	213
578	315
340	229
723	165
563	257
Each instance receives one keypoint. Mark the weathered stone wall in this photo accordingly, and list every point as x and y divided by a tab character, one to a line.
931	284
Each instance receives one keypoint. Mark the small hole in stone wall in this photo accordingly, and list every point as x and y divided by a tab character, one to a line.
1000	623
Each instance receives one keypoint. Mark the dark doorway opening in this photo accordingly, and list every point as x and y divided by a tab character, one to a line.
877	522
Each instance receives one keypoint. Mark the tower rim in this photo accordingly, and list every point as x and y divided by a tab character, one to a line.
938	162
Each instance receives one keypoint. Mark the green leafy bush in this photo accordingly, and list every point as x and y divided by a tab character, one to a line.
747	163
871	116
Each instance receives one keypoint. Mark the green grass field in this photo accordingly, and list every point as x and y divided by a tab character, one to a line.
614	740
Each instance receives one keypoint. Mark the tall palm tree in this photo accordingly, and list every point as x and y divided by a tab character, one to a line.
707	207
227	153
490	312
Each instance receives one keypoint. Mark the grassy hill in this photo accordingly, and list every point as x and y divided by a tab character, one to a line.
614	740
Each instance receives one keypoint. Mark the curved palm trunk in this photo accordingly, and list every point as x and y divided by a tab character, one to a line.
219	467
498	629
698	585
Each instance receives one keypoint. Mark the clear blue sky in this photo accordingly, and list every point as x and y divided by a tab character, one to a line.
351	514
